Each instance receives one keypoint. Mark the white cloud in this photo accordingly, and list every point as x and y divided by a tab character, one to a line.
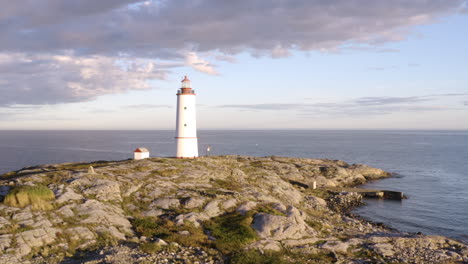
199	64
51	79
67	51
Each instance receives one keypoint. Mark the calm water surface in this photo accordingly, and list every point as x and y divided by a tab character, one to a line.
431	166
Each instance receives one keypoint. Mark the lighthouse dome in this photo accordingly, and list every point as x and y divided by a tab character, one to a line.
186	82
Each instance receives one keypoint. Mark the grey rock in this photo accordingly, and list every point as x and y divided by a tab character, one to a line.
153	213
132	189
192	217
68	195
266	245
184	233
3	222
212	209
193	202
66	211
79	232
5	241
95	212
111	230
22	216
247	206
35	238
41	222
385	249
315	202
278	227
160	242
105	190
166	203
228	204
336	246
156	193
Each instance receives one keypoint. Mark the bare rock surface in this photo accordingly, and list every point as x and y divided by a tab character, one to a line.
278	227
163	210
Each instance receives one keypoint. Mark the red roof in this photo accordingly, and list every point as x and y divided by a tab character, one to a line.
141	150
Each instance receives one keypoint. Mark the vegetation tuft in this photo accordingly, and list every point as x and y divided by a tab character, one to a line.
229	184
149	247
232	231
268	209
256	257
169	232
165	172
38	196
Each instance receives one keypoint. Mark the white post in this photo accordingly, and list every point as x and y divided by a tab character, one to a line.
314	185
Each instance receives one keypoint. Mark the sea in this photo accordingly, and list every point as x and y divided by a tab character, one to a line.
430	167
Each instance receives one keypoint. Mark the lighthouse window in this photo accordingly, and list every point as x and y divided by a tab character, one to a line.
185	108
185	125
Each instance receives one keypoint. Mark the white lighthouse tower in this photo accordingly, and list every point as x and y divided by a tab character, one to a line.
186	126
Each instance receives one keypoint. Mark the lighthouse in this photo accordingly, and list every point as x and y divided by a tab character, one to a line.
186	124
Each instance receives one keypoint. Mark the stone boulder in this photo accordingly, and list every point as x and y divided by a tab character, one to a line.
95	212
369	173
105	190
68	195
165	203
279	227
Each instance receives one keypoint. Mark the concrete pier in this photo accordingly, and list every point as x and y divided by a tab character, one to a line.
371	193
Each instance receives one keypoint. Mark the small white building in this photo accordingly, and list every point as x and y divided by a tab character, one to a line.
141	153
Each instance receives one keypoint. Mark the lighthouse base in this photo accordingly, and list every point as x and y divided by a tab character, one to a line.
187	148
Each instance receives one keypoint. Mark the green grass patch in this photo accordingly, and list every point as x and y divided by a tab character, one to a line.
256	257
83	166
165	229
256	164
38	196
268	209
317	225
142	168
9	174
229	184
54	177
104	239
148	226
232	231
149	247
281	257
321	193
165	172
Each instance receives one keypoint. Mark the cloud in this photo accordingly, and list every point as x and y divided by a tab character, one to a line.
465	103
67	51
53	79
364	106
226	58
393	67
165	28
199	64
386	100
146	106
277	106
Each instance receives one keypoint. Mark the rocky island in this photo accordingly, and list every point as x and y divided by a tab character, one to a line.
218	209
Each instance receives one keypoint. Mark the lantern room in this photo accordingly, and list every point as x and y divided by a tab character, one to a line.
186	87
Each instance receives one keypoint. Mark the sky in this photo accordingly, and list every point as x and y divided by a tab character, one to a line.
255	64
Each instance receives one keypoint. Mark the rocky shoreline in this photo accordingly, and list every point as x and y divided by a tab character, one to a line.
219	209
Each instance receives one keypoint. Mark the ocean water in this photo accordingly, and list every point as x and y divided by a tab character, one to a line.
430	167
